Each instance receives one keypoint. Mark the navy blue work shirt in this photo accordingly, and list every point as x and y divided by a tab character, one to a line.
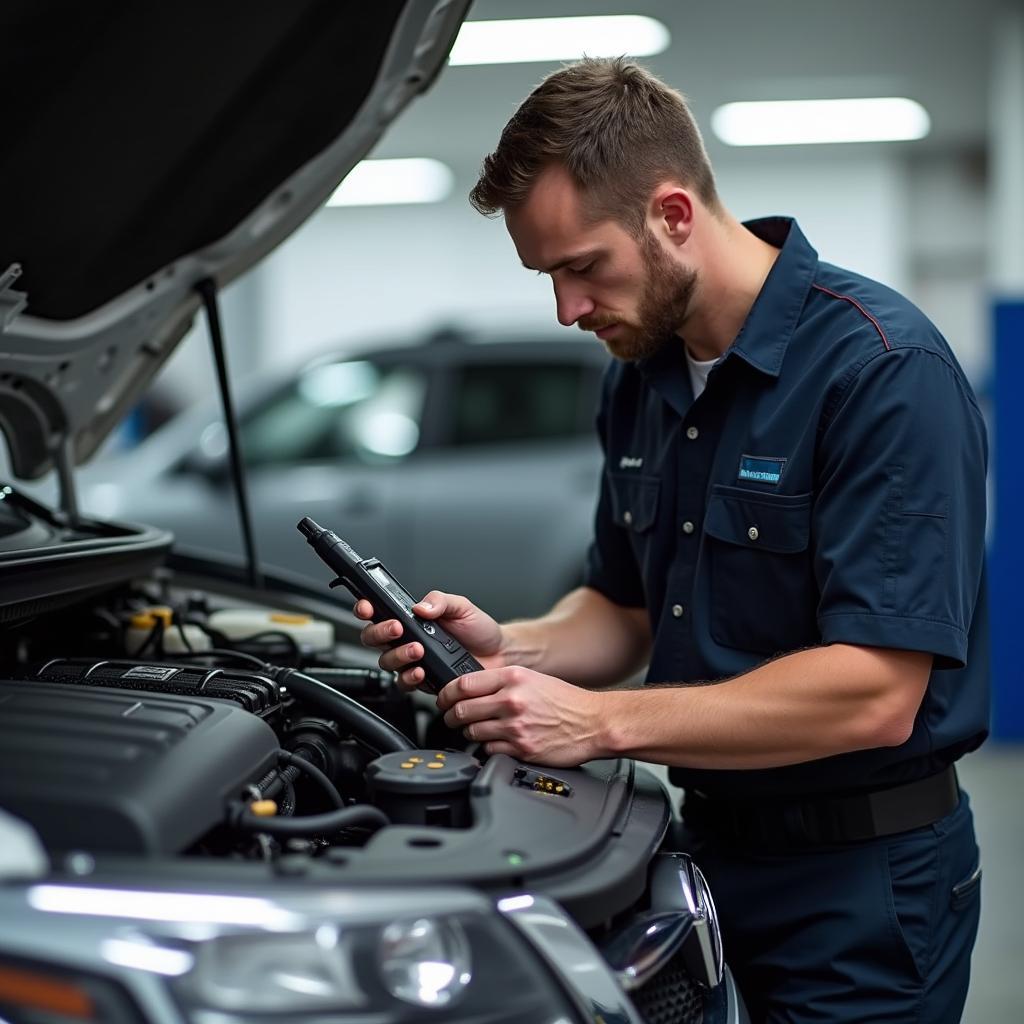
828	486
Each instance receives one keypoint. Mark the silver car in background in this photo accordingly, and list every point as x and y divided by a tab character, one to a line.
469	465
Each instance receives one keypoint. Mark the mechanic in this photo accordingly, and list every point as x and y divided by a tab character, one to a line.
790	534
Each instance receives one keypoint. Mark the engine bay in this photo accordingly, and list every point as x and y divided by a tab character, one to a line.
144	724
172	724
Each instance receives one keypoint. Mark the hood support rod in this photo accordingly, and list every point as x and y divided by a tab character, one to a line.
207	290
64	460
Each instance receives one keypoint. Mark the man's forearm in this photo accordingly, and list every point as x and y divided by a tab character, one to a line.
585	639
807	705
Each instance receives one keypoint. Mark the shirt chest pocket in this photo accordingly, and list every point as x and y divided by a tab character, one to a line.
763	594
635	509
634	500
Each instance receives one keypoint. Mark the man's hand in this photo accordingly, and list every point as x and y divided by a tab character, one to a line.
528	715
473	628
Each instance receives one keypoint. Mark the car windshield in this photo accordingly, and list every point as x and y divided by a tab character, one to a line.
338	410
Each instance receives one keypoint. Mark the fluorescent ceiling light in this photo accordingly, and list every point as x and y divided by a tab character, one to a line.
533	39
802	122
386	182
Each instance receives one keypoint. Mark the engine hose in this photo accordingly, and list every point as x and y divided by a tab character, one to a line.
281	779
313	824
363	723
310	769
287	806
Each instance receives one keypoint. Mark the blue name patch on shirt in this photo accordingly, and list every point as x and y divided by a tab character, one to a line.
761	470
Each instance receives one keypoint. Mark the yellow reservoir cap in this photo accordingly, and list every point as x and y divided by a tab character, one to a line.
285	619
148	619
263	808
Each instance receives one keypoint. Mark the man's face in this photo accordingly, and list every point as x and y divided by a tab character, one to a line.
632	294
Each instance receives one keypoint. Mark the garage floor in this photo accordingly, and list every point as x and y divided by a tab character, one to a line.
994	778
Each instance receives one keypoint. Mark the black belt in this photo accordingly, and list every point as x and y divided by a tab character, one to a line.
826	819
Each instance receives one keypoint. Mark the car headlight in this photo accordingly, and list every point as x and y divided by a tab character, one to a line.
388	955
468	965
425	962
295	973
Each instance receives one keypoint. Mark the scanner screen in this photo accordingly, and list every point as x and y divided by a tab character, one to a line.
390	584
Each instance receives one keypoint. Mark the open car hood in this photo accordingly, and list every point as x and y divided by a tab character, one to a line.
148	147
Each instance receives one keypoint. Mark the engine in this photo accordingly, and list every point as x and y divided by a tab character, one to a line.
126	771
175	729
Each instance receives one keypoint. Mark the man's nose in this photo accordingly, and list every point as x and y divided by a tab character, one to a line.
571	305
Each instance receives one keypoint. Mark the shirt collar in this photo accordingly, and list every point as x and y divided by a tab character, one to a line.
765	334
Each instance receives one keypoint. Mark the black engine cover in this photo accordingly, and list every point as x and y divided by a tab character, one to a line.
124	770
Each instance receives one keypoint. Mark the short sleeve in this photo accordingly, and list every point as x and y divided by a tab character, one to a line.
899	518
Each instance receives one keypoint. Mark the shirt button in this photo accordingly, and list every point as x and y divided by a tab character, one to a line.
688	527
692	433
752	533
677	611
627	517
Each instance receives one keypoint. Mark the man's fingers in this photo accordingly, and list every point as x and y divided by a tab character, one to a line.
481	732
475	684
363	609
502	747
396	660
438	603
434	605
477	709
381	634
411	678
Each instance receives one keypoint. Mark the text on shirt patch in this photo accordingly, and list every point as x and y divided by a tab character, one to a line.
761	469
627	462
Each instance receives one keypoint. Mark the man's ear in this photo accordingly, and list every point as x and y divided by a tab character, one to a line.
672	210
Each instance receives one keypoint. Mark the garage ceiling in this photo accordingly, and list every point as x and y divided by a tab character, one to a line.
934	51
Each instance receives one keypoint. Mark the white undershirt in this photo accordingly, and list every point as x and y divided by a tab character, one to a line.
699	370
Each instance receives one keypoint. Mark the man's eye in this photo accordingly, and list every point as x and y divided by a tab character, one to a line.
584	270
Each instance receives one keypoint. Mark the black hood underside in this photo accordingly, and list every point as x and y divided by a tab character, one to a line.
153	149
135	133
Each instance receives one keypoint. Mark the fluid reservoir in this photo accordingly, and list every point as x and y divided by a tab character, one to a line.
142	624
423	787
242	623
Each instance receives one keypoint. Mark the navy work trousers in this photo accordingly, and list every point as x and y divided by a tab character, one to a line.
880	930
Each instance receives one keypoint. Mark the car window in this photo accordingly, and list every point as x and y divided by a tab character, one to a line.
339	410
505	402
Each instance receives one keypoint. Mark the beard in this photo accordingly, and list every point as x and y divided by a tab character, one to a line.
664	304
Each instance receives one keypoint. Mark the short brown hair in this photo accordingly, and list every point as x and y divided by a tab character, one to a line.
616	129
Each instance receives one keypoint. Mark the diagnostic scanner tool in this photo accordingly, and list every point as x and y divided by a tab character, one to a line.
444	658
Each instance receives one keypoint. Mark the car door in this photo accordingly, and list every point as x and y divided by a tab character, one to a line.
505	500
332	445
329	443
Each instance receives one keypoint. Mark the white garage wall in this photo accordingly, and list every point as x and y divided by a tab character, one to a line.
390	272
352	272
850	206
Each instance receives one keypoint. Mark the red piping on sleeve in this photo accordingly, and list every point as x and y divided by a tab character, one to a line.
854	302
